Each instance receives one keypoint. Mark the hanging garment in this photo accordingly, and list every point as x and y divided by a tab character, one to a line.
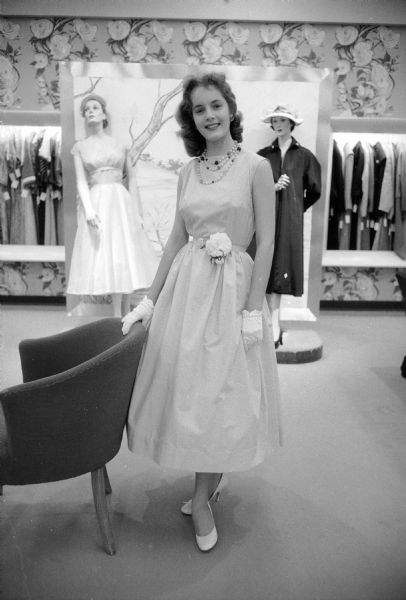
30	229
41	178
356	192
363	235
4	193
337	202
379	169
17	227
56	181
387	194
50	220
399	242
27	188
345	220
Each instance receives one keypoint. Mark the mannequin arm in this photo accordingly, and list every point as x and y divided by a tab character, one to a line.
84	193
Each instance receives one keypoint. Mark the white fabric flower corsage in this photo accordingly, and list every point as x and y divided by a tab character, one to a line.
218	247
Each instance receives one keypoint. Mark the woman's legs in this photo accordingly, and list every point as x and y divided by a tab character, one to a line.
125	304
274	303
121	304
201	513
116	300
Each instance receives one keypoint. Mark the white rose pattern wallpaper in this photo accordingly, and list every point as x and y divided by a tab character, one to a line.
369	81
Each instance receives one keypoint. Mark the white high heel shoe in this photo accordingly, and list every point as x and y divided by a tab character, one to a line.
186	508
207	542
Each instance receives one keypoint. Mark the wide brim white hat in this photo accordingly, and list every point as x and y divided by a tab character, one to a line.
282	110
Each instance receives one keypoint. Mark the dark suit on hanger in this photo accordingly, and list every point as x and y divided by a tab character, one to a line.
379	170
337	201
356	192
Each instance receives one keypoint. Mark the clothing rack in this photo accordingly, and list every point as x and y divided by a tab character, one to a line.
31	185
27	252
367	209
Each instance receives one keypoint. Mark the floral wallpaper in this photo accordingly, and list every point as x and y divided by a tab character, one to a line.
338	283
135	40
366	284
216	43
291	45
367	57
10	51
370	79
32	279
53	40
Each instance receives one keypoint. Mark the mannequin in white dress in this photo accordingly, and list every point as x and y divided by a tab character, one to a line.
112	254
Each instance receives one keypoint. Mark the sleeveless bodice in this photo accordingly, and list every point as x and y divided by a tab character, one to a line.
103	159
224	206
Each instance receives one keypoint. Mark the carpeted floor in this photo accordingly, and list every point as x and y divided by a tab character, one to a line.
323	519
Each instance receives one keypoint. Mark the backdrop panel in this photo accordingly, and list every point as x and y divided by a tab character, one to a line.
141	101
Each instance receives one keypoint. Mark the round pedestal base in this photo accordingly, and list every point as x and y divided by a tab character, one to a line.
299	346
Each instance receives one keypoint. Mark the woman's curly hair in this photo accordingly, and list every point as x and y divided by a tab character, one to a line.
193	140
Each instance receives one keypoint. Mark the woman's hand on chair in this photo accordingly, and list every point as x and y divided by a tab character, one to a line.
142	312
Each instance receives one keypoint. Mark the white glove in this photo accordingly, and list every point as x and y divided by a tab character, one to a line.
251	328
142	312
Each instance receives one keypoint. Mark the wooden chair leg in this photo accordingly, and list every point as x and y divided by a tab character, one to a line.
106	480
1	490
100	503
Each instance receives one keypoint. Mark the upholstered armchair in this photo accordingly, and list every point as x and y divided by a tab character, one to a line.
68	417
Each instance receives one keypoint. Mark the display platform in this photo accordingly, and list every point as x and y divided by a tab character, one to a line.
299	346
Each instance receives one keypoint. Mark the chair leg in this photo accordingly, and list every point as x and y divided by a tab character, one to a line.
106	480
100	503
1	490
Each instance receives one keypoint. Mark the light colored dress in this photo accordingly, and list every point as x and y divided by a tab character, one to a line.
119	258
201	402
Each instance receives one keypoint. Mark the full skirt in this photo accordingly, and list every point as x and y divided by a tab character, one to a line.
117	258
201	402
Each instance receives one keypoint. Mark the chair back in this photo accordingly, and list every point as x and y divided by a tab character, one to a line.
46	356
71	422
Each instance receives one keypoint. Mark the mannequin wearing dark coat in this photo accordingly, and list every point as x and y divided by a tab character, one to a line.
303	170
297	176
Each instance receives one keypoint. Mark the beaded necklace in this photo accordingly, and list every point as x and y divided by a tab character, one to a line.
212	170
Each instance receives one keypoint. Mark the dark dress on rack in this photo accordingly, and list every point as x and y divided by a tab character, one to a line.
356	192
304	189
337	201
379	170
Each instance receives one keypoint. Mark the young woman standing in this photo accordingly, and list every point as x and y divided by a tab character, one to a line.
206	394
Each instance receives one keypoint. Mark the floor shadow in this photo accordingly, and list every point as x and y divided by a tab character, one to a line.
392	378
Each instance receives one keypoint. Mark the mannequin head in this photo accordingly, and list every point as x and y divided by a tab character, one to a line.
282	116
282	126
93	109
